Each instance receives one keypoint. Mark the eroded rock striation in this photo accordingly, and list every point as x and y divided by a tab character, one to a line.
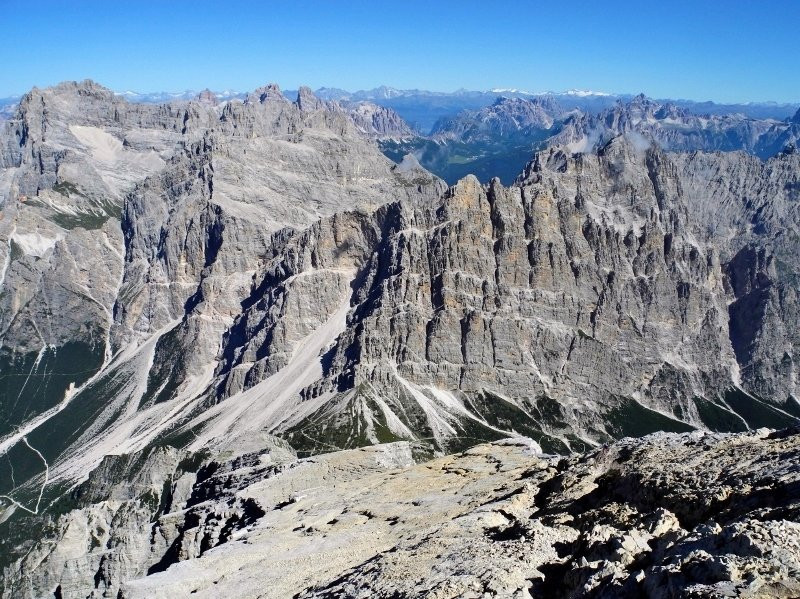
121	222
604	295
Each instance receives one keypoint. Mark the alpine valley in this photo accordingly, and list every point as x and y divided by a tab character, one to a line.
398	344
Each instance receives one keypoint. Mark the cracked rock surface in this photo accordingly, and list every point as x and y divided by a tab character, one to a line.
690	515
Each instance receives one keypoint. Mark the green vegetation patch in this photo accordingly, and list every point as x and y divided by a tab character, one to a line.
757	412
632	419
15	251
33	382
168	371
504	158
718	418
91	218
502	414
88	408
67	189
341	424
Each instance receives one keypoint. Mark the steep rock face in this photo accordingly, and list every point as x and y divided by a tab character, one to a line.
39	138
276	165
763	325
69	157
514	298
665	516
590	301
780	137
752	222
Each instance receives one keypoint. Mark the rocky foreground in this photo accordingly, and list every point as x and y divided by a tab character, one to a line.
670	515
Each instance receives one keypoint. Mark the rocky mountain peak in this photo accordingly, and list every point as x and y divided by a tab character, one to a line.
501	100
70	92
640	99
796	117
674	128
408	163
85	87
506	117
546	102
641	104
269	93
307	101
379	122
208	97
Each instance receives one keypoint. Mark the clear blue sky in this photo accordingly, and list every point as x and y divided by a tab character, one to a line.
725	50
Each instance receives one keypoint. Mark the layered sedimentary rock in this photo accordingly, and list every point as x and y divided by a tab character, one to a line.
379	122
604	295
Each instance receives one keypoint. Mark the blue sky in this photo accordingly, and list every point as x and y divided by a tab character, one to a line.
725	50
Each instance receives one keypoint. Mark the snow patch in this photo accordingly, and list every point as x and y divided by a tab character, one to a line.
584	93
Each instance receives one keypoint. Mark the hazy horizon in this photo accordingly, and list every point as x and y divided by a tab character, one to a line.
494	89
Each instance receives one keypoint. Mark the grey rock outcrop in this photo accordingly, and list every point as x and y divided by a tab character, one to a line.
698	514
208	97
664	517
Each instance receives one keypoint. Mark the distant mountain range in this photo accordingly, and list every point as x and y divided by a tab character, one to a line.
498	140
493	133
8	106
422	108
408	102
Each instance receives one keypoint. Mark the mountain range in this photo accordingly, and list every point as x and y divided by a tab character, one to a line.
422	108
498	140
200	296
493	133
